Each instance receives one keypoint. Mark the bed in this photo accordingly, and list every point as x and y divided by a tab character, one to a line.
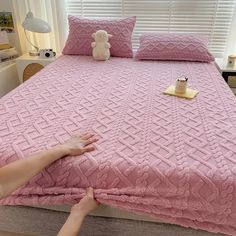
169	158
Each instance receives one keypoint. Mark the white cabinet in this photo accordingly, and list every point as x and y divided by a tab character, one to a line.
228	73
8	78
28	65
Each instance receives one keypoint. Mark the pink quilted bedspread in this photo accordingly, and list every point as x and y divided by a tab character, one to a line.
174	159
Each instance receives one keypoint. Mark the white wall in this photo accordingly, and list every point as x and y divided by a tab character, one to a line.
6	5
8	74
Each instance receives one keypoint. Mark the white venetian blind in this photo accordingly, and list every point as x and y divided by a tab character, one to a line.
209	17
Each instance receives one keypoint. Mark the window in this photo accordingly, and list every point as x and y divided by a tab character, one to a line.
210	17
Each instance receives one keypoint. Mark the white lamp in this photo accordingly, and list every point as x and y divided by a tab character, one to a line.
36	25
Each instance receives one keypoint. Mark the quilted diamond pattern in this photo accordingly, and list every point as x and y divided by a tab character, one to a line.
170	158
81	29
171	46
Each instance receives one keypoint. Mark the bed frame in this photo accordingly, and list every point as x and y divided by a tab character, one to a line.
105	221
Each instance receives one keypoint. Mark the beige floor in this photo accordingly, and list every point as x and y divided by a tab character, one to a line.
2	233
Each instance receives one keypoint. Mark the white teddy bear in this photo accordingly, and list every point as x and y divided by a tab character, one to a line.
101	46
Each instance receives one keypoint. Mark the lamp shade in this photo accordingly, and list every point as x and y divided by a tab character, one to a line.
34	24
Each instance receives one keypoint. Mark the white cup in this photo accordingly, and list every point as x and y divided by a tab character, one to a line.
231	61
181	85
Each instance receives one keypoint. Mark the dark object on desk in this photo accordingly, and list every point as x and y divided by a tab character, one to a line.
227	74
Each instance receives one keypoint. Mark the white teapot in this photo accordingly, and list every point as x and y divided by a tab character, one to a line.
181	85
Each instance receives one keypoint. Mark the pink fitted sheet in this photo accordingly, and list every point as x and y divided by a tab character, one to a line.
171	158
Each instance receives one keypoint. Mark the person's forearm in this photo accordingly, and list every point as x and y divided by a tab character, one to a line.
19	172
72	226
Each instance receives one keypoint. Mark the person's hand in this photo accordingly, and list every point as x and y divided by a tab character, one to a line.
80	144
86	205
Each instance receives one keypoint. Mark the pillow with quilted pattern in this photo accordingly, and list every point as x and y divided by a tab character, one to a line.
80	35
172	46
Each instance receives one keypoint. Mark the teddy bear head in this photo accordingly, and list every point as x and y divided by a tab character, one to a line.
101	36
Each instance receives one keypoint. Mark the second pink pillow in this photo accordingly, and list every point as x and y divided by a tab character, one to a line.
171	46
81	29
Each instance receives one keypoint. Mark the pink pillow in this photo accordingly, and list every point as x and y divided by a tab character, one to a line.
81	29
171	46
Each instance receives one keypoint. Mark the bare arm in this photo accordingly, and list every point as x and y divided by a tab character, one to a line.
72	226
17	173
78	213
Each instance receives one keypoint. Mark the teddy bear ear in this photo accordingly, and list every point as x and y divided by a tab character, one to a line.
93	35
110	35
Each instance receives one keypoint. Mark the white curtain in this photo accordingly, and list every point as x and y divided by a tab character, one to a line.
209	17
53	12
232	38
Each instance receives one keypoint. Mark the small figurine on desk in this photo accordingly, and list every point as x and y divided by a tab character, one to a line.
181	85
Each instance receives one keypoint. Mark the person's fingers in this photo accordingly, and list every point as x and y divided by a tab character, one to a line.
87	136
89	192
86	191
89	141
88	148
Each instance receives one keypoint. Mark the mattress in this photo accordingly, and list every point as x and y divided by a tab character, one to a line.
101	211
170	158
